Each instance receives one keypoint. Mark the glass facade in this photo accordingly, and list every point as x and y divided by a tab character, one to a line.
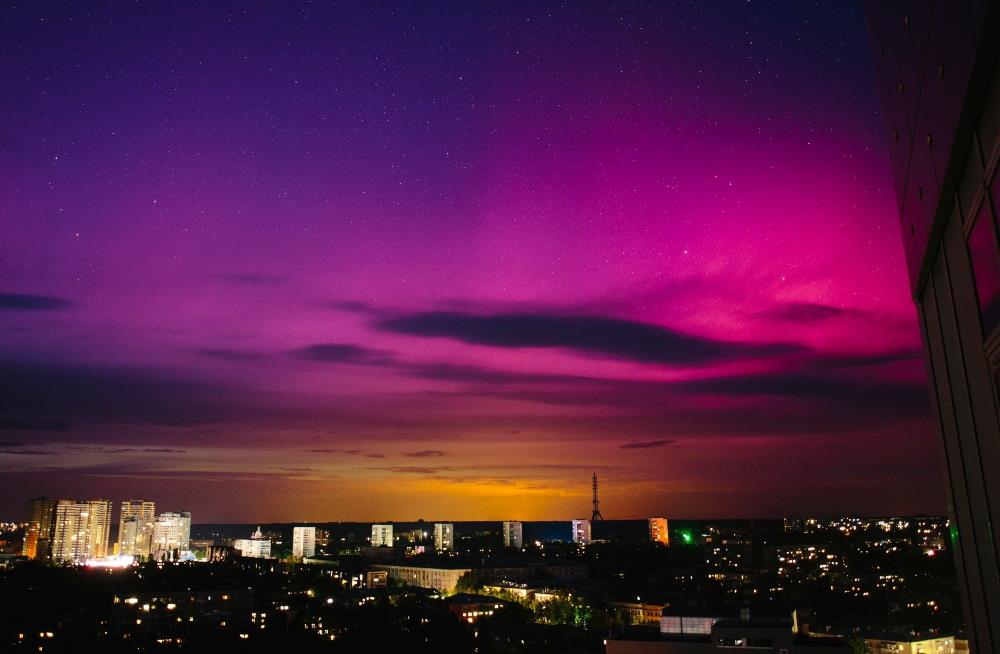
984	255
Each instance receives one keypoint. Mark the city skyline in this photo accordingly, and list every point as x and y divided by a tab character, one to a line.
416	262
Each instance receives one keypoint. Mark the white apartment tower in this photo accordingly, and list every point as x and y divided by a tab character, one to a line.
135	527
513	534
303	542
381	535
171	535
81	530
444	536
581	531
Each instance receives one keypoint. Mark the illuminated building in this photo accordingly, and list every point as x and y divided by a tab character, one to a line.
135	527
382	536
640	613
171	536
444	536
581	531
173	617
81	530
255	547
441	579
303	542
658	531
938	80
38	534
513	534
472	608
894	644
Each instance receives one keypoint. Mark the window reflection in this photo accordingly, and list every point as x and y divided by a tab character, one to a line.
984	253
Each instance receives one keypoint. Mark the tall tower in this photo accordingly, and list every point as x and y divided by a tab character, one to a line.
596	515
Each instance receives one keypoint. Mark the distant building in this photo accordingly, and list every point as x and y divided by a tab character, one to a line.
894	644
937	69
640	613
472	608
513	534
760	635
581	531
659	531
376	579
382	535
255	547
303	542
443	580
38	534
322	538
81	530
171	536
444	536
135	527
164	617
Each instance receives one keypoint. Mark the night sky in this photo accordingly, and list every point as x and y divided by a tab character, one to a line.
376	261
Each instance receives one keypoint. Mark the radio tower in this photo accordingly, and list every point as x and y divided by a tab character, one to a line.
597	503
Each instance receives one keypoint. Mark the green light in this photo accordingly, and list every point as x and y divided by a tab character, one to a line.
687	537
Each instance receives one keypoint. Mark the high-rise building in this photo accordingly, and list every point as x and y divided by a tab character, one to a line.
659	531
381	535
581	531
135	527
513	534
256	547
444	536
303	542
322	538
937	68
171	536
81	530
38	535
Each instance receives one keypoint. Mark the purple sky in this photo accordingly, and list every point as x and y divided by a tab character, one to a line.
390	261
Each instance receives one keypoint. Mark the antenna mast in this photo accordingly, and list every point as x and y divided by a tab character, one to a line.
596	515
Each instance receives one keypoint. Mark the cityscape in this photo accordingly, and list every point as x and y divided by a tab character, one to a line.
586	584
504	327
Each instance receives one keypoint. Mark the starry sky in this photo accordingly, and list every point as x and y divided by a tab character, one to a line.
357	261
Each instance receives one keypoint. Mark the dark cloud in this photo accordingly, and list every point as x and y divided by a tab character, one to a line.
231	354
343	353
805	312
24	302
424	454
594	335
831	387
645	445
5	450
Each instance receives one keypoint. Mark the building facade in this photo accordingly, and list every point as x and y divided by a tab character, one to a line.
581	531
171	536
81	530
255	547
513	534
382	535
38	534
303	542
444	536
135	527
938	79
659	531
443	580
